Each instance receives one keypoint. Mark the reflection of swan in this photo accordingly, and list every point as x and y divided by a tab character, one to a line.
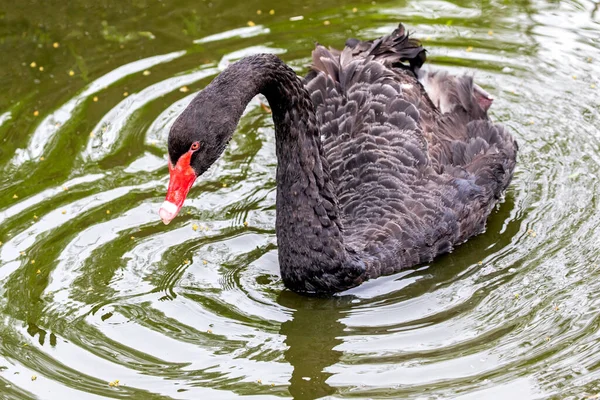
375	174
311	336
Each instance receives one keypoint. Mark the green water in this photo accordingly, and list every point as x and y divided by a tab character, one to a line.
94	288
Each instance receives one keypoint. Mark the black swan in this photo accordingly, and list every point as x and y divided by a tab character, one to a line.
381	165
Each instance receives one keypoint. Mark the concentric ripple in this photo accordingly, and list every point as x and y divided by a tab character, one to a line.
94	289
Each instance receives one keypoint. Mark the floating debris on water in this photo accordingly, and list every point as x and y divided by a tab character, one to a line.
258	12
33	261
469	49
516	295
531	233
33	64
95	98
204	262
41	69
184	89
33	377
108	211
114	383
354	9
491	32
195	227
246	224
56	45
125	94
15	196
272	12
146	73
71	73
36	113
326	22
208	331
480	262
251	23
39	271
64	211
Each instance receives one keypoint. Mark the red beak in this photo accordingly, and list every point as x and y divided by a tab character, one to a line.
181	179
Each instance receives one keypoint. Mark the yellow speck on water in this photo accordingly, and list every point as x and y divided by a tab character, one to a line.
195	227
108	211
259	381
258	12
56	45
547	338
354	9
574	76
272	385
204	262
469	49
65	188
39	271
114	383
186	262
33	377
35	217
589	59
71	73
208	331
33	261
272	12
246	223
250	23
42	158
184	89
224	185
64	211
36	113
480	263
132	237
490	32
516	295
22	253
92	134
146	73
95	98
593	86
556	308
15	196
41	69
33	64
326	22
125	94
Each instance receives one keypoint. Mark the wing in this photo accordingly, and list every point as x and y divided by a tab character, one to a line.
412	179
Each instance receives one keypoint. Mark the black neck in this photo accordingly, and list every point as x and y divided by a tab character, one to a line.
312	254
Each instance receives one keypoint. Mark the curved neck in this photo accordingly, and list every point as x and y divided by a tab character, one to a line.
312	254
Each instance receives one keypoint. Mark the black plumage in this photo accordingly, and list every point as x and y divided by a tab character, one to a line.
377	170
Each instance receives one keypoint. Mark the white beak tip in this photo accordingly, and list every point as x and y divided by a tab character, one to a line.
168	211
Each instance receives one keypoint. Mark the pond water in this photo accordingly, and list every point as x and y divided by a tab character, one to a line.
95	289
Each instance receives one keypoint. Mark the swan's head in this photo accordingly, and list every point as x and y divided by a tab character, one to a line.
196	140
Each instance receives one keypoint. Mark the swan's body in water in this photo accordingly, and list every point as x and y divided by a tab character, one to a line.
377	170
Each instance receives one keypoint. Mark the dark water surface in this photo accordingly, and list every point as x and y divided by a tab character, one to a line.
94	288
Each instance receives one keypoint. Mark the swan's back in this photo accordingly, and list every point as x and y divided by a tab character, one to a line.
417	170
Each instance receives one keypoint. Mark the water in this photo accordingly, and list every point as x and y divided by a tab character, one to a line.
94	288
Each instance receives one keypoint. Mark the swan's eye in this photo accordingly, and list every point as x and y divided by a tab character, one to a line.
195	146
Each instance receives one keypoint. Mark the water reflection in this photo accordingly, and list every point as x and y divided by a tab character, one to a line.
312	336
